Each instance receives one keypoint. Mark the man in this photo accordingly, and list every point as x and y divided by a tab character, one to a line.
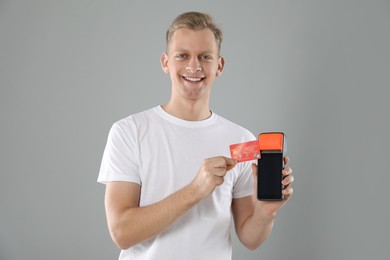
171	187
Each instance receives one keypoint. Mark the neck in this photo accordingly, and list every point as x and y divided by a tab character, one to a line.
189	110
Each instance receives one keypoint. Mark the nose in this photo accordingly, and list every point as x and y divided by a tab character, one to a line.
193	66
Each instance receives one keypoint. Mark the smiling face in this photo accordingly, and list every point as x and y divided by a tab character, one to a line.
193	63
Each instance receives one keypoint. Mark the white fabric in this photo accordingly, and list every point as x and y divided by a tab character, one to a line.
163	153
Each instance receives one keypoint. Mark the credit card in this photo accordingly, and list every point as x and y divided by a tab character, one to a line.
245	151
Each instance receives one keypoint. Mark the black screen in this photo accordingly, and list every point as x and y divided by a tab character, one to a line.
269	186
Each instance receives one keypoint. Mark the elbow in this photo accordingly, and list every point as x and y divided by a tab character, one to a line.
251	243
121	244
120	239
252	246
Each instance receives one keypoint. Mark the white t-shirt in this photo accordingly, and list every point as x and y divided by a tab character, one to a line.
163	153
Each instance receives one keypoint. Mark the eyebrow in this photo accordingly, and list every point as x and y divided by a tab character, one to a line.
202	52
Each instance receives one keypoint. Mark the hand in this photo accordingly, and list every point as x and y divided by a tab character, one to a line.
211	174
270	207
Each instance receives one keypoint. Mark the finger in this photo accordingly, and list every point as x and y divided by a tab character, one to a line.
220	162
288	180
254	168
230	161
287	171
254	173
286	159
288	191
220	172
219	180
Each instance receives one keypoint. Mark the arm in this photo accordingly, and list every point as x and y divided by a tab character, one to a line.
252	225
254	219
130	224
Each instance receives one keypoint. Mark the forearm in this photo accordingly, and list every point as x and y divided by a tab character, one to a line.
256	228
137	224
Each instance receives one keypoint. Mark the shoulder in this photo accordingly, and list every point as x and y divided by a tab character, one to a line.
129	126
234	128
136	119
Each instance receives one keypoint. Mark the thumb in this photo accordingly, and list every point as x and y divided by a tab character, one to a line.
254	169
254	173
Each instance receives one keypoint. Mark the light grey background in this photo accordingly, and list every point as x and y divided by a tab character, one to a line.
317	70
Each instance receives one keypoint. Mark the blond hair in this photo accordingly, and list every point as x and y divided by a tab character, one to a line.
194	21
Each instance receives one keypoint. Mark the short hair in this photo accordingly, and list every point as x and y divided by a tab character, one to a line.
194	21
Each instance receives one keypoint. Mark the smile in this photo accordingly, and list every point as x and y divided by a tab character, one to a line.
192	79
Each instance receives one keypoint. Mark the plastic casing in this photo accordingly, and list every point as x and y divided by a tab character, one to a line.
272	149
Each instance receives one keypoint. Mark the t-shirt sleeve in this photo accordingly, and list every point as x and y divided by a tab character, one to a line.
244	185
120	158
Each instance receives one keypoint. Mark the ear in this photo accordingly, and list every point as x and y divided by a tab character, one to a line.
221	65
164	62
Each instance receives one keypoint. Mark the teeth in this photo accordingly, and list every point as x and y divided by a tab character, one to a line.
193	79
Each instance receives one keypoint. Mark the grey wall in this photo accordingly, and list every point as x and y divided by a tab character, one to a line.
318	70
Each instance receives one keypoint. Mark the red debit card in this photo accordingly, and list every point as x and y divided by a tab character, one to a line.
245	151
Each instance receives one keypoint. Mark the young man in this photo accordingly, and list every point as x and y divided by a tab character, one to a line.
171	188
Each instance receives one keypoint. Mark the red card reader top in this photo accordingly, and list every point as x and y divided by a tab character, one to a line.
271	141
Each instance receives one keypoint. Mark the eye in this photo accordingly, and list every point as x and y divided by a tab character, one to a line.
206	57
181	56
